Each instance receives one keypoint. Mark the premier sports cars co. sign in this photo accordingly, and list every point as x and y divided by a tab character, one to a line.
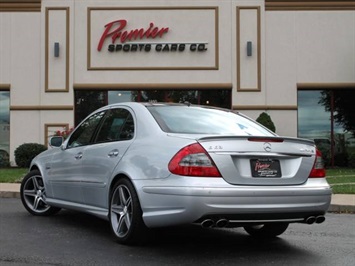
169	42
116	31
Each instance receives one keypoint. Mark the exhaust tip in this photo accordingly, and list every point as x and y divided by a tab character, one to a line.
320	219
311	220
222	223
208	223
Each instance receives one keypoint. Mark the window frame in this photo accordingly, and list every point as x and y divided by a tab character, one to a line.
100	126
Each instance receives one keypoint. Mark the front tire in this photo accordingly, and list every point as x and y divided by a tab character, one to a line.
266	230
126	214
33	195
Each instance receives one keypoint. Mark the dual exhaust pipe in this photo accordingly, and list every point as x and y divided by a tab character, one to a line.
209	223
313	219
222	222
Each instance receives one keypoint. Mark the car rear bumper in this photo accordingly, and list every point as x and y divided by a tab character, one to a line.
175	205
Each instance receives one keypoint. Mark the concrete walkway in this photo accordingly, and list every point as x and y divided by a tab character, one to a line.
340	202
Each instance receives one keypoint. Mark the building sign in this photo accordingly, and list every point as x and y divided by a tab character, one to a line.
115	30
152	38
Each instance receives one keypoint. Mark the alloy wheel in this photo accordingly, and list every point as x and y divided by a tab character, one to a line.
121	211
34	194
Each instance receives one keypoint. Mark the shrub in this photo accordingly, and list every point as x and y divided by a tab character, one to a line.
4	159
324	149
351	160
341	159
266	121
26	152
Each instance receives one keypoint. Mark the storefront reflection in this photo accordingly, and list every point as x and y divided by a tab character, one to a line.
4	128
328	117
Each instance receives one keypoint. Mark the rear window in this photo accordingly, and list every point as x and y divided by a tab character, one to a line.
200	120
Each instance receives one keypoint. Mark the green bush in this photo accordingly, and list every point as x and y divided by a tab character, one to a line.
341	159
266	121
351	160
4	159
324	149
26	152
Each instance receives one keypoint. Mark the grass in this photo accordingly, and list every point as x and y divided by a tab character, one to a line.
342	180
12	175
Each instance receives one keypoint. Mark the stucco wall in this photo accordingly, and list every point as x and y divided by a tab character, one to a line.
296	47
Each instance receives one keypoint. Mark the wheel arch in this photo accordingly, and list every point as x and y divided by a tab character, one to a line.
35	167
115	180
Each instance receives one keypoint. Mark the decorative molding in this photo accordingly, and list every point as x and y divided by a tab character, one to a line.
5	87
67	49
258	88
41	108
46	129
147	86
20	6
216	28
265	107
321	86
294	5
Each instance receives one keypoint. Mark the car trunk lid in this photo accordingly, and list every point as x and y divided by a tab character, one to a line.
250	160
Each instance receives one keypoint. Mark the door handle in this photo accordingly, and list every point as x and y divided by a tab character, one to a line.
79	156
113	153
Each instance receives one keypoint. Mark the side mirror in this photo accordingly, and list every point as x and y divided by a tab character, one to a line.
56	141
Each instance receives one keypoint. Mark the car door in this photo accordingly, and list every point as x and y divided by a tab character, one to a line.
65	174
115	135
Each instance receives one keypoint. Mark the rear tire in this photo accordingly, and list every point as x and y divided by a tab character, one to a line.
266	230
126	214
33	195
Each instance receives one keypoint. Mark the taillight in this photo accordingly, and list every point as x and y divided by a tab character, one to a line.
193	160
318	167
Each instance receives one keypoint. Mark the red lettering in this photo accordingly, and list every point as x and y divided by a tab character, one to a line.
123	36
122	23
259	166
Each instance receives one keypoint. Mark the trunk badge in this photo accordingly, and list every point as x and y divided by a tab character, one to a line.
267	146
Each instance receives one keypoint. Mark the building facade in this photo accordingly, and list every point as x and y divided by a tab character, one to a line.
295	60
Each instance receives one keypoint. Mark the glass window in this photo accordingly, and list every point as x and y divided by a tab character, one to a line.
84	133
118	125
120	96
313	119
87	102
211	97
328	117
198	120
4	127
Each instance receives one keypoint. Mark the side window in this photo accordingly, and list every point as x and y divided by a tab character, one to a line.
83	134
118	125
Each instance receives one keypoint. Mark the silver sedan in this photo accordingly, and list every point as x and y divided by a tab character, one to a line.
149	165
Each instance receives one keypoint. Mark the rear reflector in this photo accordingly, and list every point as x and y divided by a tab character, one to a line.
193	160
318	170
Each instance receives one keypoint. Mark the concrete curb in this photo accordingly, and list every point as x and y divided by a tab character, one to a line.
341	208
10	190
341	203
9	194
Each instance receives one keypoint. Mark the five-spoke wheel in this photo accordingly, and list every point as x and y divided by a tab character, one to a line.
126	214
33	195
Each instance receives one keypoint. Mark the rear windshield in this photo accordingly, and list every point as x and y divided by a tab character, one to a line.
200	120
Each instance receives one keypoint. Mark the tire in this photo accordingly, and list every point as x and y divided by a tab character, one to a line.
266	230
33	195
125	214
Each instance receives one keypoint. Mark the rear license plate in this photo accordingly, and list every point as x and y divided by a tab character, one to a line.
265	168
